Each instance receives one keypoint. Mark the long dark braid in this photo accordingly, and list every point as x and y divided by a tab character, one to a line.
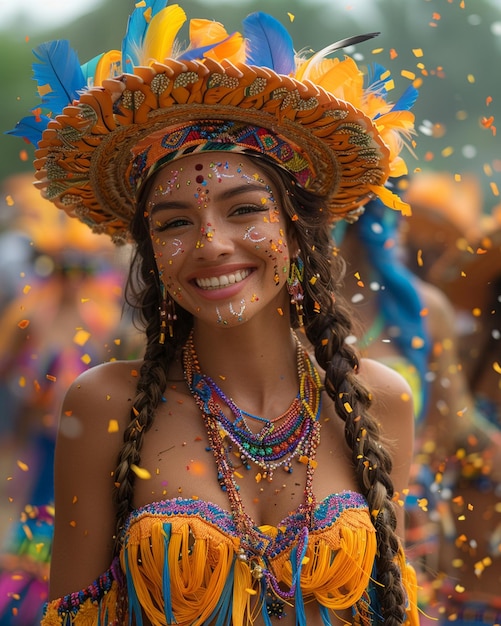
328	323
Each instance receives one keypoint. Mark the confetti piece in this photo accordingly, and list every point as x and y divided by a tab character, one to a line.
417	342
86	359
408	74
113	426
140	472
23	324
347	407
51	378
22	466
417	52
26	289
81	337
496	367
9	200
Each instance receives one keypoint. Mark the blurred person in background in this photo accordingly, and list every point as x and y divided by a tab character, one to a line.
472	281
454	245
62	317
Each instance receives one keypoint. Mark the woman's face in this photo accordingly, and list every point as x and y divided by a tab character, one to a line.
219	238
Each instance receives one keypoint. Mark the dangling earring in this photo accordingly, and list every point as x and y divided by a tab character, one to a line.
167	315
295	286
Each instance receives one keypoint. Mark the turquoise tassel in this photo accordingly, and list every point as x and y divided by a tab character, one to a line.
324	614
169	614
134	606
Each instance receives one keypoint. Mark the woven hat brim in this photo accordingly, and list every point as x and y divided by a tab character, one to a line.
84	156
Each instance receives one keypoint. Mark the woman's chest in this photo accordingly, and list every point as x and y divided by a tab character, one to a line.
182	460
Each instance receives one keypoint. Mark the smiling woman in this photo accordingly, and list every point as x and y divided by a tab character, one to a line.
250	474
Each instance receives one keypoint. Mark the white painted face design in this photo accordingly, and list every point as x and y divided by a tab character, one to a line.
219	240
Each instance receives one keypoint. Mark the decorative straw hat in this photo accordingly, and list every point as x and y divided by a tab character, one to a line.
130	111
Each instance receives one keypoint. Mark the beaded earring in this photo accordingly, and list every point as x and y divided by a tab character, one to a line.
295	286
167	315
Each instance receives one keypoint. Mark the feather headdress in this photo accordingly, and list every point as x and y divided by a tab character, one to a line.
336	121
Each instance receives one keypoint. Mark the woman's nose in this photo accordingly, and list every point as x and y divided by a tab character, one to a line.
214	240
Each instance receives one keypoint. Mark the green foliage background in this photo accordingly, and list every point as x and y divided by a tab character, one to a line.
459	67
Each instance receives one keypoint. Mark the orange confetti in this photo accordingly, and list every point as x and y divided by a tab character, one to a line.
51	378
23	324
22	466
417	342
488	100
113	426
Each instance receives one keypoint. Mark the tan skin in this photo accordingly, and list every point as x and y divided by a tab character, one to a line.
174	449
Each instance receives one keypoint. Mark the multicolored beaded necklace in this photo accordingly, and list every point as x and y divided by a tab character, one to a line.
274	446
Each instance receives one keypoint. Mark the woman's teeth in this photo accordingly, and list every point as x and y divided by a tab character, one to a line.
216	282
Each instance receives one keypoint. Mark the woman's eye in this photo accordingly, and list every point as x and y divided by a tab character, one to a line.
249	208
179	222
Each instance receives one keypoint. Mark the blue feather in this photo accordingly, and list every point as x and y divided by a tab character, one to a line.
136	31
198	53
269	43
30	128
406	100
373	76
60	68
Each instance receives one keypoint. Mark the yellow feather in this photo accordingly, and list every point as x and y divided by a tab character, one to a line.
161	34
109	66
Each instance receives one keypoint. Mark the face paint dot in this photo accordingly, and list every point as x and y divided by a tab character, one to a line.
199	167
200	179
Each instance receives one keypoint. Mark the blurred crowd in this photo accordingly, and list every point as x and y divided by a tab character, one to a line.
427	292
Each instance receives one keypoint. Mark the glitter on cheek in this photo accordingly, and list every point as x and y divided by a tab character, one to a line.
177	247
253	236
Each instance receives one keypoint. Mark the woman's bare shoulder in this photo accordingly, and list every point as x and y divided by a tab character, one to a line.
103	390
391	393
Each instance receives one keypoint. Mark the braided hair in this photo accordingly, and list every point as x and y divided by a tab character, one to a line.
327	324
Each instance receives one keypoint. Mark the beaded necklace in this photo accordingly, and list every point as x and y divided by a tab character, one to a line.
301	432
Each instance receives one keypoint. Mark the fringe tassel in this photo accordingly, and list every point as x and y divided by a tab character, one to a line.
169	615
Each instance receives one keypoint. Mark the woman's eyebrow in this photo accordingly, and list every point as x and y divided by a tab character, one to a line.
165	205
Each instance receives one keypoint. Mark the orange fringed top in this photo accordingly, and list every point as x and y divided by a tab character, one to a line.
181	564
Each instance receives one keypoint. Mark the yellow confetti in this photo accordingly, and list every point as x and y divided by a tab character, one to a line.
496	367
22	381
26	289
471	78
140	472
9	200
292	17
417	52
251	592
81	337
494	188
446	152
347	407
86	359
113	426
22	466
407	74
